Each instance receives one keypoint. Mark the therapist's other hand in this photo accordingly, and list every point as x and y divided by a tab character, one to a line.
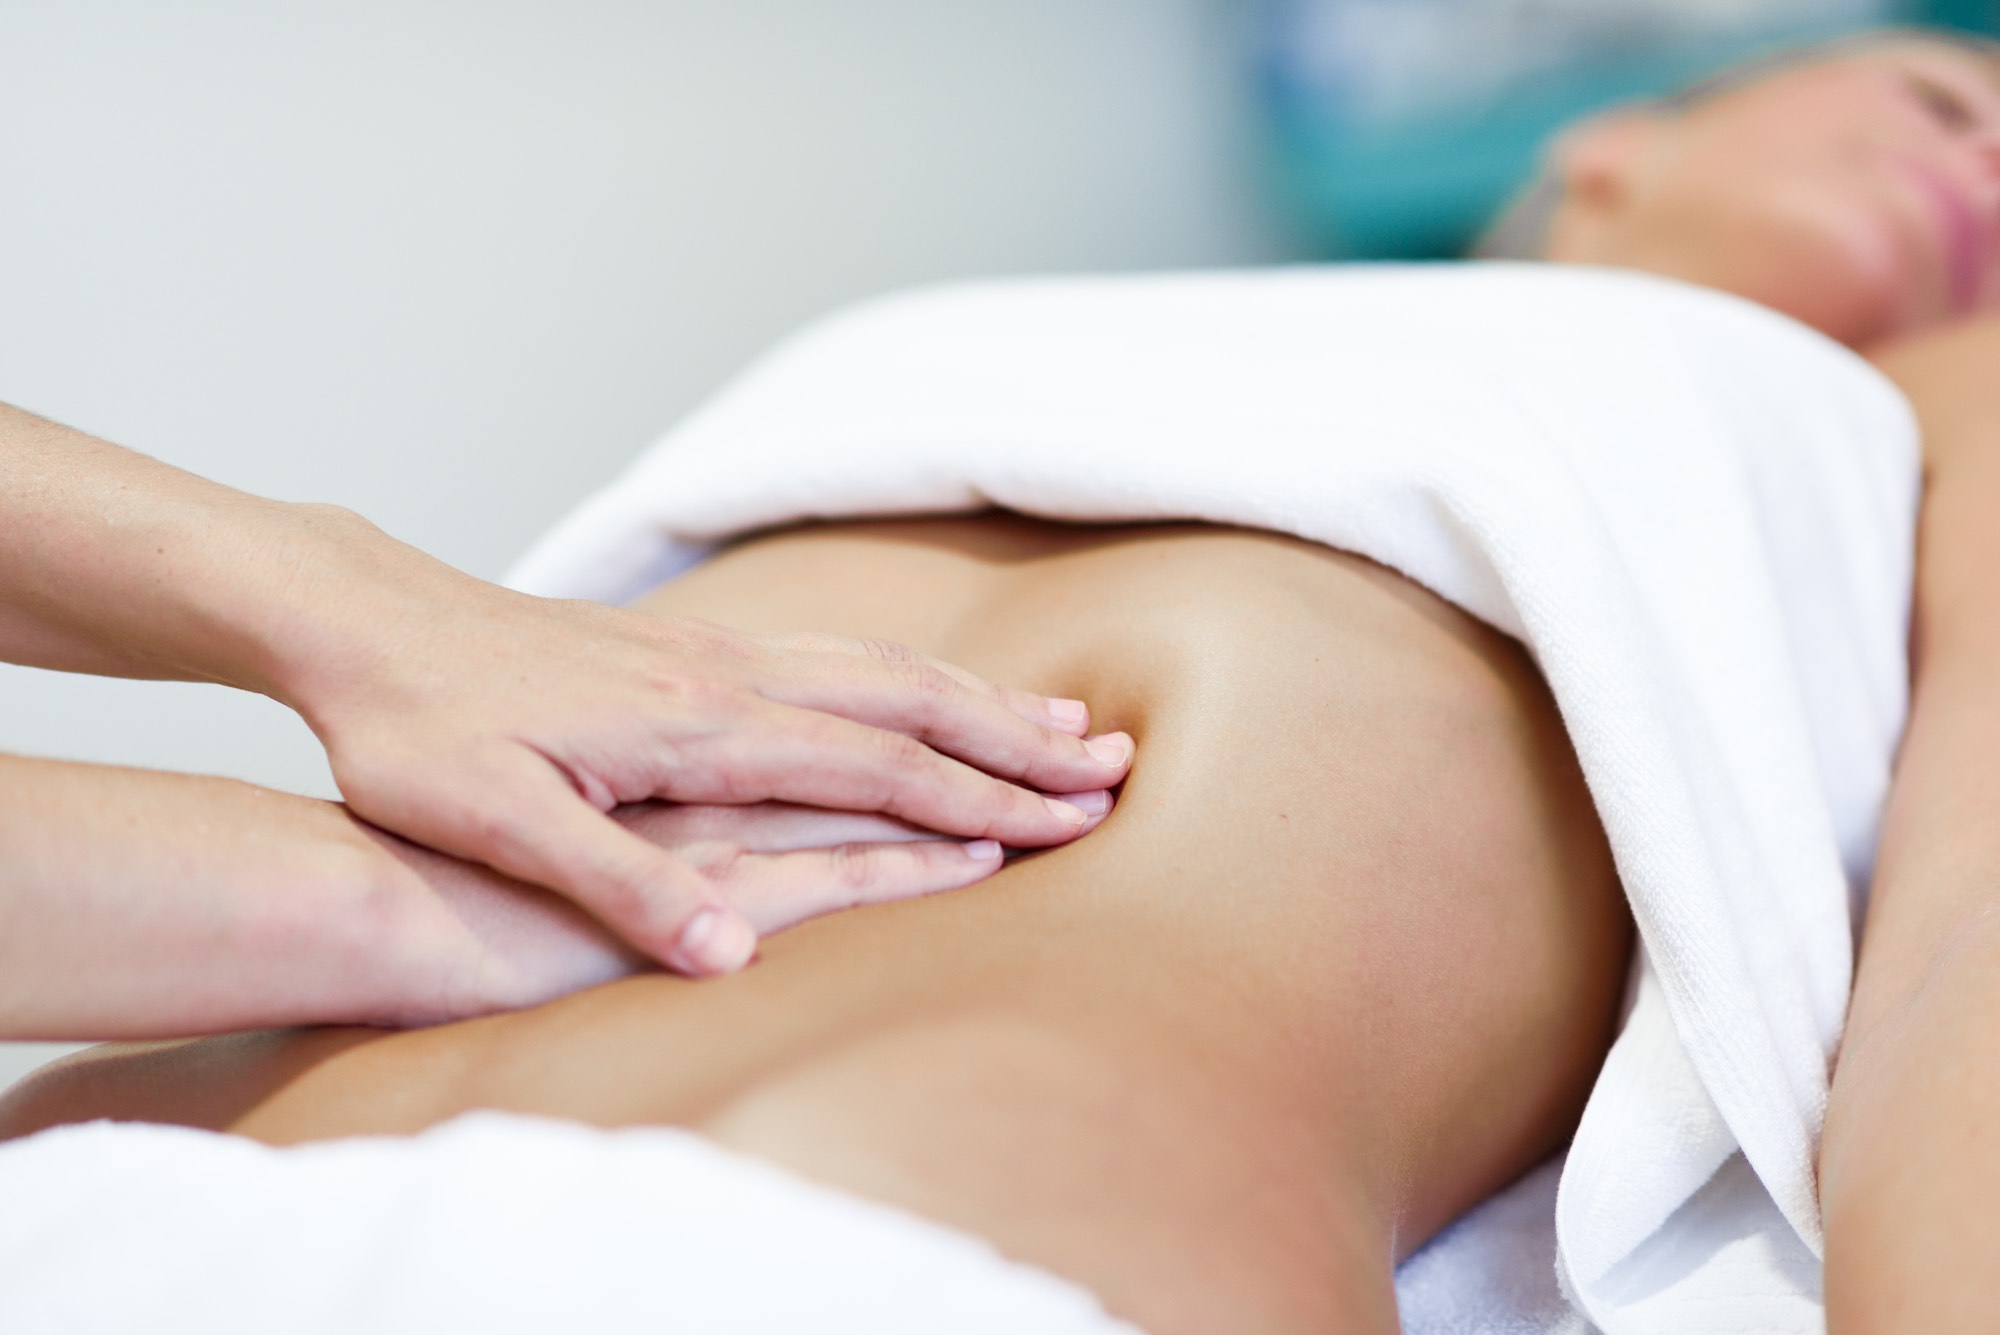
778	864
150	905
481	942
501	728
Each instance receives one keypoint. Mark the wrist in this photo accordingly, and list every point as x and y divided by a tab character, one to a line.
216	906
239	586
450	940
337	600
118	564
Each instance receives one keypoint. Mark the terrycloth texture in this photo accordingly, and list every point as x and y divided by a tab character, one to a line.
1696	513
1493	1272
489	1223
1727	1261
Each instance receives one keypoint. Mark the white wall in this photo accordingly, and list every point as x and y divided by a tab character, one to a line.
450	262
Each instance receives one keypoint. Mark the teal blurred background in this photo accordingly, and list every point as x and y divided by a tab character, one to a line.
1398	127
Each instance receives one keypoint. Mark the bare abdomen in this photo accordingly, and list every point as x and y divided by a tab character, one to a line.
1344	959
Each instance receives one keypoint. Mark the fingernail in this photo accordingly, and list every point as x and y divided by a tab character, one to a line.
1068	812
1069	713
983	850
1091	804
716	942
1113	749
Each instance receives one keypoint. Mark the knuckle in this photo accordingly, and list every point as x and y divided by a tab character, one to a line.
707	697
601	792
889	651
852	867
692	763
731	789
709	777
1057	748
718	862
693	634
501	823
734	707
930	857
930	685
904	755
667	758
668	689
803	642
1016	805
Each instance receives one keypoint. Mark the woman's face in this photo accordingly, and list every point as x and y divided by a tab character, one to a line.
1860	194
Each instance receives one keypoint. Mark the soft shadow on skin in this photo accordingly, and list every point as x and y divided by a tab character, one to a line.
149	1082
1000	538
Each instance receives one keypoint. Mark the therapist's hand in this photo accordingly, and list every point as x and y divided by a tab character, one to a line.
498	727
501	728
473	941
150	905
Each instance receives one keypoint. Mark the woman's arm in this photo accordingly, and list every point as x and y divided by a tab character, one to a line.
1910	1164
502	728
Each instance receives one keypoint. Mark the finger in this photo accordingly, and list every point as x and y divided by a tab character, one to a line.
1057	712
767	827
777	890
536	828
1071	717
913	696
781	827
815	759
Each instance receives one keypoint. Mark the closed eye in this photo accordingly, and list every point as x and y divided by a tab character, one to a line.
1943	105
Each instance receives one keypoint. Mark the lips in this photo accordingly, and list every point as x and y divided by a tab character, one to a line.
1966	233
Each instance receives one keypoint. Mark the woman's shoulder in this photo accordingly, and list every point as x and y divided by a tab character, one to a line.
1951	376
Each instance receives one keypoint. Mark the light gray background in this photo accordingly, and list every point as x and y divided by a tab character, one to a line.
452	262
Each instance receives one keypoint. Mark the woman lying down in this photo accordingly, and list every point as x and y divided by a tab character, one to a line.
1465	615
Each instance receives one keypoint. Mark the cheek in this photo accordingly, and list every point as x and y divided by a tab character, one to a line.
1817	251
1844	271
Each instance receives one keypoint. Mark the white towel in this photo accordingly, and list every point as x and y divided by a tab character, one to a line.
492	1223
1493	1272
1727	1261
1697	514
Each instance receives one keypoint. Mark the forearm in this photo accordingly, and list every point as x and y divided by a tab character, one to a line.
117	564
1909	1177
136	904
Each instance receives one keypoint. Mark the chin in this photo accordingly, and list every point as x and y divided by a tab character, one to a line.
1810	254
1856	294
